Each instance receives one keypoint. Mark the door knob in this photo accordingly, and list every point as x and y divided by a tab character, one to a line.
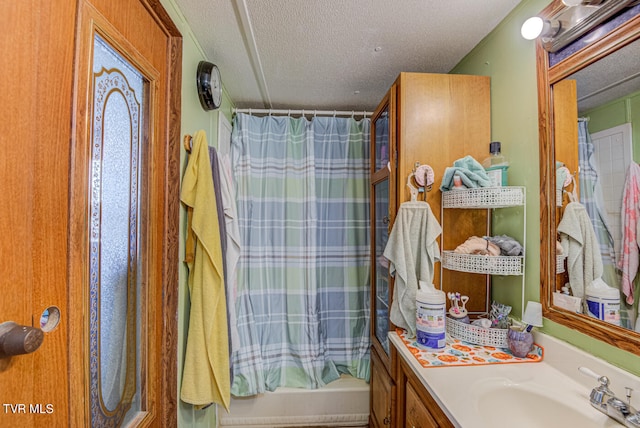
18	339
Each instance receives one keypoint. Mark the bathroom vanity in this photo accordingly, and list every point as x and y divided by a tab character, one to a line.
550	393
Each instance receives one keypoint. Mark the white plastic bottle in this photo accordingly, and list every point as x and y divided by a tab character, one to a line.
496	165
431	307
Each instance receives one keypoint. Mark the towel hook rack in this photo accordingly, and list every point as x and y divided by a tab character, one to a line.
423	176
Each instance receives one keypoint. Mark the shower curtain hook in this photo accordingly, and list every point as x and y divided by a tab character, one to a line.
249	112
315	113
302	113
289	114
334	113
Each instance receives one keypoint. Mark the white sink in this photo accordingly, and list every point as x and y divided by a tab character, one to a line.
499	400
550	394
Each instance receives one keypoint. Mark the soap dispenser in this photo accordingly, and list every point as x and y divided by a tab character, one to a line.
496	165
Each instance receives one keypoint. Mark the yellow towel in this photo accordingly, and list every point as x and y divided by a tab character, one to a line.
205	376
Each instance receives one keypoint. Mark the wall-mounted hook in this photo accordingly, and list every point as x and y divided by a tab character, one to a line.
187	142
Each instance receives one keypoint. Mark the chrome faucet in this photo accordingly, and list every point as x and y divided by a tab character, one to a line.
603	399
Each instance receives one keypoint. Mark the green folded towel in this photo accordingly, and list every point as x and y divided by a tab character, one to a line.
470	172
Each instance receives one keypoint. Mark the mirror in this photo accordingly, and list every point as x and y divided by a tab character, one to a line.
589	102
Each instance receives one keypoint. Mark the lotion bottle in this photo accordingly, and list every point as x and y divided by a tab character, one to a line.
496	165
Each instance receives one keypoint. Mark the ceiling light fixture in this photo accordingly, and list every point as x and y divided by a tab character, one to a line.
580	2
577	18
535	27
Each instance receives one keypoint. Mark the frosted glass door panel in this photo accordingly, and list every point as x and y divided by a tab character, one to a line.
114	229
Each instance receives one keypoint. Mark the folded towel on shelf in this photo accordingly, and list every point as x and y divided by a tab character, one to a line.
478	245
469	170
508	245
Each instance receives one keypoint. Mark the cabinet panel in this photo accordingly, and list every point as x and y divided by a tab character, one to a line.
442	118
418	408
381	393
416	414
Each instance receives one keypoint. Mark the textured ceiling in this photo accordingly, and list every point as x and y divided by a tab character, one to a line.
333	54
610	78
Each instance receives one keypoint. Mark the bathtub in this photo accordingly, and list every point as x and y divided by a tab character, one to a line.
342	403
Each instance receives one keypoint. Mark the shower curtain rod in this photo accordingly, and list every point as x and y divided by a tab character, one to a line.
303	112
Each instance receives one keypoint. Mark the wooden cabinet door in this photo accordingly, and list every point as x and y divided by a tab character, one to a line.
381	393
416	414
416	407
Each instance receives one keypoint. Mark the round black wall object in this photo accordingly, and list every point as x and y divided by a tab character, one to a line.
209	85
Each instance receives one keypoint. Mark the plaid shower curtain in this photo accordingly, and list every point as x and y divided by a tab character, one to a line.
592	198
302	193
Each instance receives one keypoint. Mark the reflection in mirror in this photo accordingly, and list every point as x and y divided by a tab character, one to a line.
605	93
590	146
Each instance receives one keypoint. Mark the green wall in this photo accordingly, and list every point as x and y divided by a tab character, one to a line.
510	62
193	119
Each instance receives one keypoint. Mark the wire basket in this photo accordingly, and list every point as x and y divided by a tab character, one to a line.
474	263
477	335
560	263
484	197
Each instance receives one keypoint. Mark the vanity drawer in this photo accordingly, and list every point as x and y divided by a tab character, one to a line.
416	414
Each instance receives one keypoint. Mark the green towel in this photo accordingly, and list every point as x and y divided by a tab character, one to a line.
470	171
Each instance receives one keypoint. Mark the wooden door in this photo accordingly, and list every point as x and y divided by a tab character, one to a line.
35	89
44	217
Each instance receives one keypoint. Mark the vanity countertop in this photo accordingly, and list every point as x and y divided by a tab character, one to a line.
550	393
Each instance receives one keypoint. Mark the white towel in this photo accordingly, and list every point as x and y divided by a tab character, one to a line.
233	244
579	243
412	251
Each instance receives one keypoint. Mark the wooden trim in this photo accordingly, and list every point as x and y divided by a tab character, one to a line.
546	76
168	347
169	393
78	297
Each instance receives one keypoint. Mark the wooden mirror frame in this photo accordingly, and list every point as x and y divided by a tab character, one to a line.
626	33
